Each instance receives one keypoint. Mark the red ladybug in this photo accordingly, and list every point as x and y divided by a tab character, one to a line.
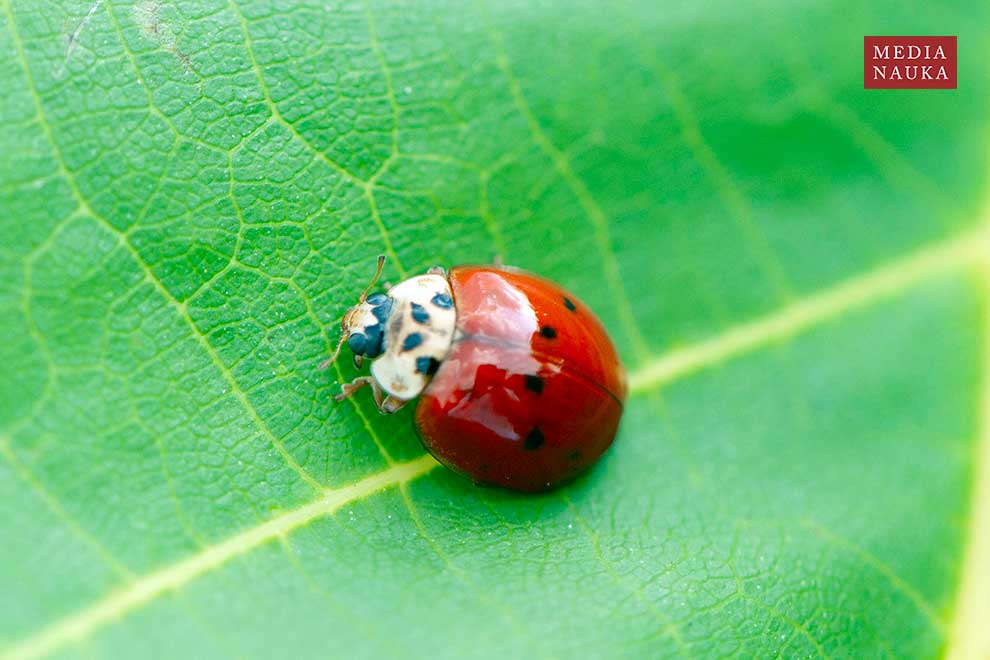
519	385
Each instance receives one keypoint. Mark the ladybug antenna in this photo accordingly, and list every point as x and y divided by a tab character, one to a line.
378	273
340	344
345	331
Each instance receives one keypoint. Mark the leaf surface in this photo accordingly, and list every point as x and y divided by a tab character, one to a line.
791	266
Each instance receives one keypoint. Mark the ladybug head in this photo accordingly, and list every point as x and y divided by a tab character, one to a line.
363	325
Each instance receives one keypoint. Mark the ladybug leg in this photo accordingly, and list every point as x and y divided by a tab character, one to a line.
437	270
390	405
497	261
348	389
386	404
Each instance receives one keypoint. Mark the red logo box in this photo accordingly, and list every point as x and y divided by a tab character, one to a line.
909	62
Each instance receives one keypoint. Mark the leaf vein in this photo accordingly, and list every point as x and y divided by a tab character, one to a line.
579	189
168	579
366	186
808	312
969	636
882	567
146	270
56	508
727	189
460	574
670	628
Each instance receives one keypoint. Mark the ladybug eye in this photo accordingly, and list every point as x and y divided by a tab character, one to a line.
357	342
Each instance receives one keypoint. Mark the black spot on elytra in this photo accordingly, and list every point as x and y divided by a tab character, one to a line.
427	365
548	332
574	455
419	313
412	340
443	301
569	304
534	440
534	383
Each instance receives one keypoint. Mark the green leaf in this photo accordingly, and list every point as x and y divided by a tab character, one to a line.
791	266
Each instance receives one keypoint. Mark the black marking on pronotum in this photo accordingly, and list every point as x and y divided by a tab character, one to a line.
443	301
395	324
548	332
427	365
382	308
534	383
534	440
412	340
375	340
569	304
377	299
419	313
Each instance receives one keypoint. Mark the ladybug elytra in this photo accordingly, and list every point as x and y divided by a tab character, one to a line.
518	382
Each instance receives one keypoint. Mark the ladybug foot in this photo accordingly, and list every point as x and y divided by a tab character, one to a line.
390	405
386	404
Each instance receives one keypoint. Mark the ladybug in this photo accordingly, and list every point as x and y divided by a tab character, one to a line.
518	383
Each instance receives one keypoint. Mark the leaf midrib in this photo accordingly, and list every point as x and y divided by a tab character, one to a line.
900	274
969	635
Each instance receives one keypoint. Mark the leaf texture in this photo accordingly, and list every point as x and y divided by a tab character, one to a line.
794	270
